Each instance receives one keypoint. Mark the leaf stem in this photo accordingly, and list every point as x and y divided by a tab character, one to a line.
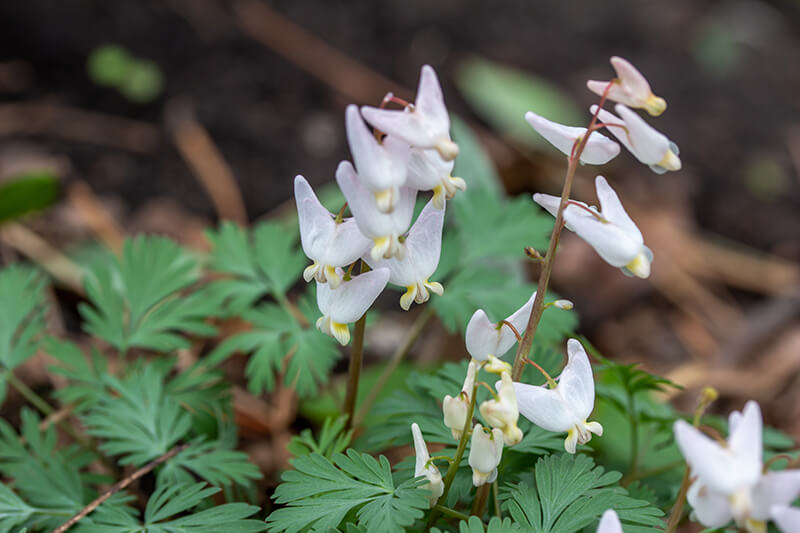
451	512
525	344
413	334
496	493
28	393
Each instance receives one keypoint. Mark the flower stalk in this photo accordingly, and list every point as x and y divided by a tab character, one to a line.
356	359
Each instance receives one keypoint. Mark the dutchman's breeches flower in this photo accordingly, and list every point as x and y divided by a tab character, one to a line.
609	523
599	149
486	450
327	242
425	124
486	340
427	171
381	165
423	246
567	406
729	481
610	231
384	229
424	466
348	302
647	144
629	88
503	413
786	518
456	409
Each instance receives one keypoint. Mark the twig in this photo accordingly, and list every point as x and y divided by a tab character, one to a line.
120	485
95	215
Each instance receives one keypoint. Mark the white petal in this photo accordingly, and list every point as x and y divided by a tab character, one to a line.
518	319
430	102
608	118
483	454
481	336
426	169
612	209
774	488
609	523
548	202
787	519
633	80
352	298
545	407
347	245
649	145
420	449
599	149
714	466
712	508
380	168
745	442
576	383
614	244
316	222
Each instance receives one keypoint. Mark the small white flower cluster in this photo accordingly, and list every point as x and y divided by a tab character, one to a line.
610	231
730	481
409	151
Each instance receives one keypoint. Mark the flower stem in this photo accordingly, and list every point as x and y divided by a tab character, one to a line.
481	496
462	445
413	334
525	344
28	393
354	373
496	493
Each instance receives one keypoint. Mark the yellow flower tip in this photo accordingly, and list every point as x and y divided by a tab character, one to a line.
458	183
340	332
655	105
670	161
447	149
639	266
333	278
408	297
380	247
439	195
385	200
571	442
709	395
310	271
435	287
755	526
512	435
496	365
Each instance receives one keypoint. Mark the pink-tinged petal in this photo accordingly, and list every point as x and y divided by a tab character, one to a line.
430	101
518	319
615	125
481	336
786	518
649	145
351	299
711	508
633	80
611	242
774	488
316	222
609	523
548	202
544	407
378	166
745	443
714	466
612	208
598	150
576	383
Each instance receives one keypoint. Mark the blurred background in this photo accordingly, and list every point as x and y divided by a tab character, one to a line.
166	116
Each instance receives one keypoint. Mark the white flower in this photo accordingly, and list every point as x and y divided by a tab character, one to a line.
426	124
567	406
786	518
729	481
599	149
424	466
486	450
325	242
422	248
427	171
648	145
485	339
383	228
382	166
629	88
611	232
503	413
456	409
348	303
609	523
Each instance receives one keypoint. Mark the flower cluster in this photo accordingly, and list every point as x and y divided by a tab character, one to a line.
408	151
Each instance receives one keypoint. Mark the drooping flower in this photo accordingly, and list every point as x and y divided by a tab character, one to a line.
609	523
647	144
486	340
610	231
599	149
381	166
486	450
327	243
503	413
384	229
456	409
730	483
630	87
348	303
422	248
425	124
429	172
566	406
424	466
786	518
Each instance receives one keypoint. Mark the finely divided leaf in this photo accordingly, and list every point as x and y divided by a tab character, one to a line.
22	314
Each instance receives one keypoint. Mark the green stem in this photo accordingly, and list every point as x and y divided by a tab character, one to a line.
496	493
354	372
413	334
633	468
451	512
525	344
462	445
28	393
677	510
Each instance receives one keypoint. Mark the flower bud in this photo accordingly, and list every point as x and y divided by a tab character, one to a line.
424	467
456	409
503	413
485	453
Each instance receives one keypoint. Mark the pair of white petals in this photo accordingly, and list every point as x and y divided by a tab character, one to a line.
425	467
502	413
348	302
486	340
486	450
610	231
567	406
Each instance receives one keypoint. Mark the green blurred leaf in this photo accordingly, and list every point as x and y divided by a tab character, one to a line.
27	192
108	64
143	81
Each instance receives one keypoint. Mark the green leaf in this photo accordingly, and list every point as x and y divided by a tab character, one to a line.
108	64
86	375
13	511
141	299
22	314
473	163
138	421
320	492
570	493
502	96
495	525
27	192
332	439
212	462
